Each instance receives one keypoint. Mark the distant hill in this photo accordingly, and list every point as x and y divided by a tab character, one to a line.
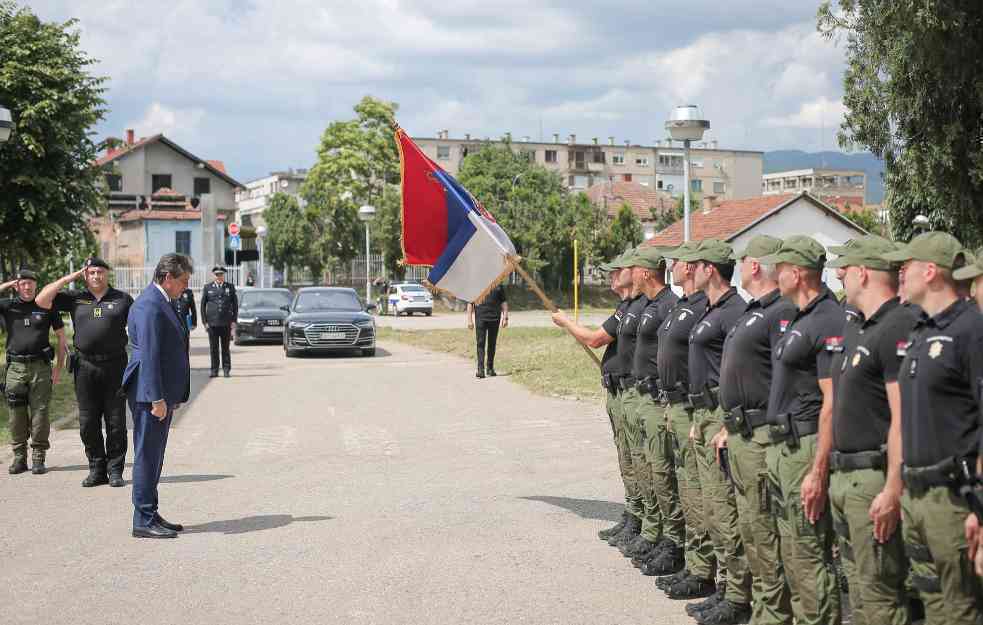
782	160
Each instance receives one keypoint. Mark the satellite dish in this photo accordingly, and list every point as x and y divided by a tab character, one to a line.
284	184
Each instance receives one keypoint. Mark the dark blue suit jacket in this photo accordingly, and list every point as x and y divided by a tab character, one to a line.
159	367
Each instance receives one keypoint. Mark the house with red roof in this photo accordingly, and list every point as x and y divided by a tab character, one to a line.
647	203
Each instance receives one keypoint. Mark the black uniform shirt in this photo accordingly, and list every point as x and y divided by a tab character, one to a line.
628	333
609	363
186	306
873	350
490	309
100	324
674	341
706	340
940	385
745	370
219	304
27	326
646	362
803	356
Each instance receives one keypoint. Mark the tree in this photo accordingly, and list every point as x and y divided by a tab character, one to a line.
913	89
48	186
624	231
291	236
866	219
357	164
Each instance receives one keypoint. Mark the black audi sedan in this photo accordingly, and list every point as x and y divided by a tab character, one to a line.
325	319
261	315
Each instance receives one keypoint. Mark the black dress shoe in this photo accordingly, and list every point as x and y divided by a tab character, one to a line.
213	374
116	480
153	530
95	478
174	527
227	373
491	373
480	374
19	465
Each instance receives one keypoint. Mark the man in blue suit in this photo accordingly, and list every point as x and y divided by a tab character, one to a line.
157	380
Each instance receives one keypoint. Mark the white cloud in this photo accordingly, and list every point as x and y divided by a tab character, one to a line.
175	123
818	113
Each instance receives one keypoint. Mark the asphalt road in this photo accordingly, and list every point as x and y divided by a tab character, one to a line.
448	320
347	490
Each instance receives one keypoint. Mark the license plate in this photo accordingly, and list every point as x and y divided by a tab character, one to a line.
278	330
332	335
273	322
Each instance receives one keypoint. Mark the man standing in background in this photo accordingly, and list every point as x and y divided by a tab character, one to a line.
219	309
487	317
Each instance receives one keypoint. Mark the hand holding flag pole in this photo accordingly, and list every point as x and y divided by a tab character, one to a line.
447	229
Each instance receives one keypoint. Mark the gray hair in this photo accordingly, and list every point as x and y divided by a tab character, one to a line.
174	264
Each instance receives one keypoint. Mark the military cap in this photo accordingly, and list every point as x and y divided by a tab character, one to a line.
711	251
972	269
758	247
798	250
867	251
849	245
26	274
649	257
678	252
625	260
95	261
218	269
940	248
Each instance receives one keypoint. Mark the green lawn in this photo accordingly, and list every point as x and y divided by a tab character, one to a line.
547	361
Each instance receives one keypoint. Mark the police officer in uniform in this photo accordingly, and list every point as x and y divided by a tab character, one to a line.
29	377
800	415
745	376
865	465
700	565
99	317
219	310
940	420
186	309
487	317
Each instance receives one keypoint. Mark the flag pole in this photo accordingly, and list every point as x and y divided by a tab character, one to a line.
550	306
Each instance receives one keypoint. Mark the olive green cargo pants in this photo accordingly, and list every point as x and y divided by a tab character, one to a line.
617	416
700	559
720	507
807	549
662	473
646	505
759	531
876	572
28	395
932	525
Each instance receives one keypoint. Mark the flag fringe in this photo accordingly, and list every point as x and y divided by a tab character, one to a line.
511	262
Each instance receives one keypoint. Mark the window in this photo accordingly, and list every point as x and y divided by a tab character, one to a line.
182	242
550	156
579	182
659	184
719	187
696	186
617	159
642	161
627	177
443	152
696	162
160	181
203	186
579	159
528	155
599	157
114	182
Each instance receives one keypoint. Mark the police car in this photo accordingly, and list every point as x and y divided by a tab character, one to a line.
408	298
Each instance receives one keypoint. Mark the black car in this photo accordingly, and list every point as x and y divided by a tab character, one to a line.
325	319
261	315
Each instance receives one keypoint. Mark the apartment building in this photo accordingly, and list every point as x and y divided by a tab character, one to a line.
726	174
254	197
840	185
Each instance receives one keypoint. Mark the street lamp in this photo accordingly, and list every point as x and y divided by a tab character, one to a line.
260	235
6	124
685	125
366	213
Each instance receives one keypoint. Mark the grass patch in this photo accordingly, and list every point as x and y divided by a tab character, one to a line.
546	361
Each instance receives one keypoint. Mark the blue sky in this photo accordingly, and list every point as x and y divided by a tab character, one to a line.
255	83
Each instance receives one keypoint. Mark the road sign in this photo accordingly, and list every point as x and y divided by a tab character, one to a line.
234	229
235	242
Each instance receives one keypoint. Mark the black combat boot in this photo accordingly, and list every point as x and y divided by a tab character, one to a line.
37	462
726	612
664	582
97	475
663	544
627	534
698	608
480	374
692	588
670	559
638	547
19	465
611	531
116	478
491	371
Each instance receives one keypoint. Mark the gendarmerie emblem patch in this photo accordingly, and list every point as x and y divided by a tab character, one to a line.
935	350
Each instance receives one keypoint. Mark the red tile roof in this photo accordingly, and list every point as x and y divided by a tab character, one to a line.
216	167
724	221
164	215
644	201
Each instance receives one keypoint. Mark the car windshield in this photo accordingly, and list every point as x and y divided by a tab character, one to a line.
412	288
327	300
264	299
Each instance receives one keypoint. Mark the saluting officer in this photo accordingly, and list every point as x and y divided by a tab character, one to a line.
219	310
940	415
800	415
865	464
99	317
186	309
700	564
29	377
745	378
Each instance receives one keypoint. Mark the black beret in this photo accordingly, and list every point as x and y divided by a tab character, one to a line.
218	269
27	274
95	261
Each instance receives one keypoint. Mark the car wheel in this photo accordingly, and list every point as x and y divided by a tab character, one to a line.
429	312
368	352
291	353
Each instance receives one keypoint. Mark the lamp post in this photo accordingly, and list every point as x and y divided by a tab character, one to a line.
685	125
260	235
6	124
366	213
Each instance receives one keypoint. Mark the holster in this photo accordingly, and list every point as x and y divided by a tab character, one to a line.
725	465
957	473
73	362
610	382
743	422
706	399
648	386
674	396
48	353
789	430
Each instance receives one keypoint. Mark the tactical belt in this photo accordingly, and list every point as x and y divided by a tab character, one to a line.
708	399
951	472
789	430
27	358
855	461
744	422
627	382
674	398
648	386
102	357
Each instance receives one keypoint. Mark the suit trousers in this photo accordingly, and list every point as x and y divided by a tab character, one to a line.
220	335
97	388
487	328
149	443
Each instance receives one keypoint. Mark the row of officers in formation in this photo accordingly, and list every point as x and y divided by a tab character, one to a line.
765	443
97	361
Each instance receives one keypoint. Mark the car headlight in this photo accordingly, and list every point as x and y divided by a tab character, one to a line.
365	323
298	325
246	320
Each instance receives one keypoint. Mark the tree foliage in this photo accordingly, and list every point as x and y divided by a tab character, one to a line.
48	185
624	231
291	236
914	94
867	219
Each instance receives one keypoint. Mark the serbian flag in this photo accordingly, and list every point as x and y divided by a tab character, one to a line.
446	228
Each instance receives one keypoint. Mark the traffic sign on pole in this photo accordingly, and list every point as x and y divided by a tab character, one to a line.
234	229
235	242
